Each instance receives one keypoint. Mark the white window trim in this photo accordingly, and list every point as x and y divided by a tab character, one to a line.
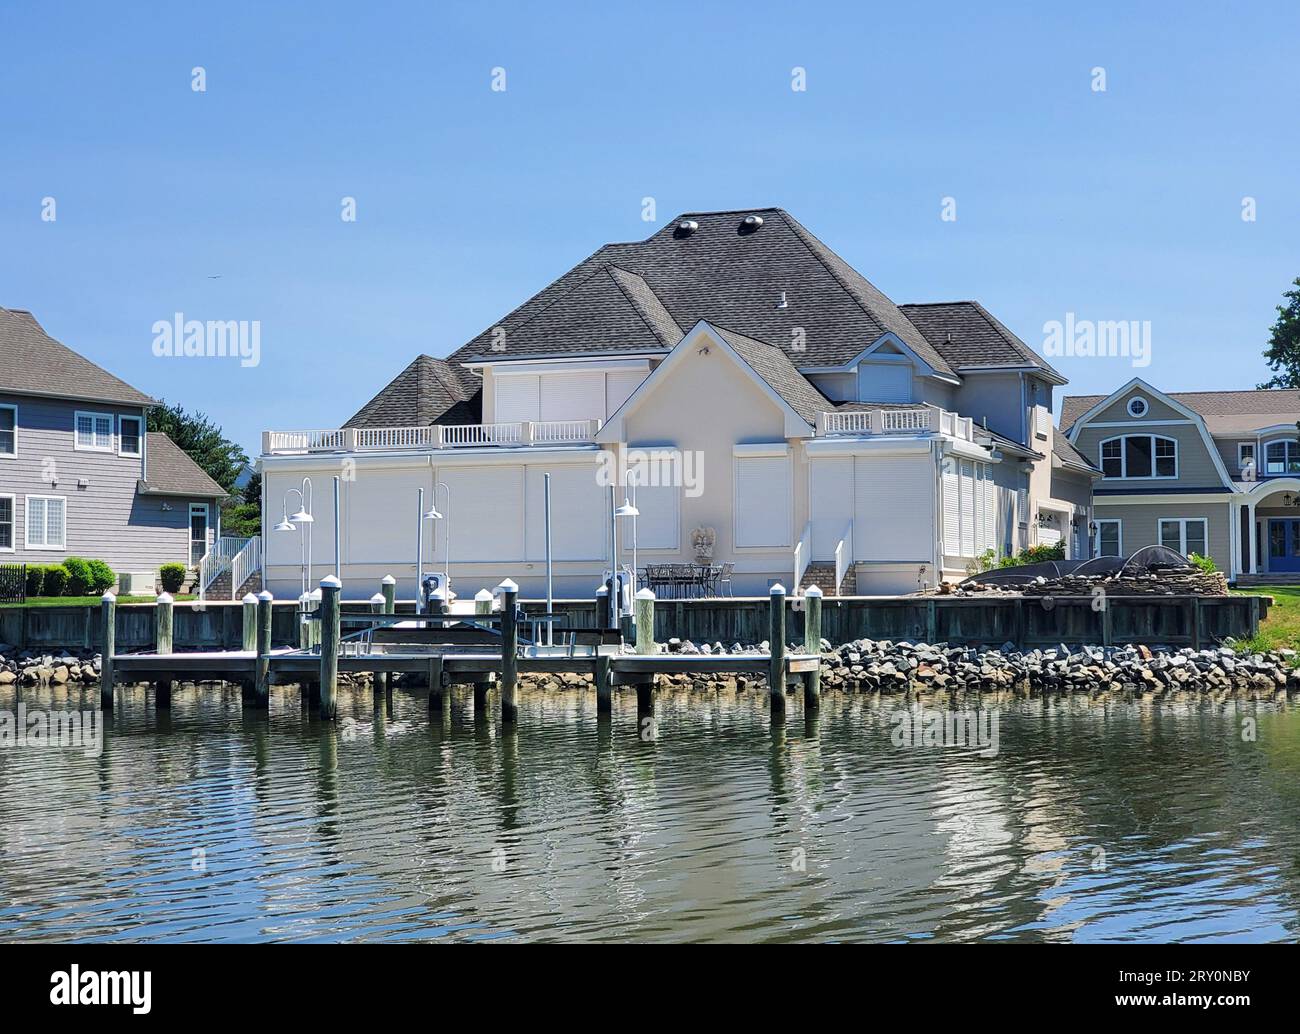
1123	458
13	521
76	433
1119	535
1182	523
189	531
1241	465
13	409
27	523
1146	407
139	422
1293	447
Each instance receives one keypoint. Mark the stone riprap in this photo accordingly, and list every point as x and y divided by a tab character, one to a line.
1165	583
57	667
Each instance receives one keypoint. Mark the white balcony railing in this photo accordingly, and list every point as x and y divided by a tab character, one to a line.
914	420
441	436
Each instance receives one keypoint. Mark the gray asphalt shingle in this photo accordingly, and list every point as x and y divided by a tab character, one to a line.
33	363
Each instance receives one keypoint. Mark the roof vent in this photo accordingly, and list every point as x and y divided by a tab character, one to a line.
781	303
752	223
947	338
687	227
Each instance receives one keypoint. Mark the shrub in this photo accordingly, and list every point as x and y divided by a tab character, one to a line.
79	579
56	581
1035	555
172	577
1205	563
102	577
986	561
35	579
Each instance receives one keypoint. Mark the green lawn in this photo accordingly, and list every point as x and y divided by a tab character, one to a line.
83	601
1282	626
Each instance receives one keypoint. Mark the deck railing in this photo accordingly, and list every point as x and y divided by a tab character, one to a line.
441	436
911	420
217	560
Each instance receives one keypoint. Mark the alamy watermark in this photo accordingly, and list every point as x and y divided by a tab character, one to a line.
931	727
655	468
1106	339
53	730
198	339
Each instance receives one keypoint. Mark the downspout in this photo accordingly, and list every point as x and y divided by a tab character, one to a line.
936	457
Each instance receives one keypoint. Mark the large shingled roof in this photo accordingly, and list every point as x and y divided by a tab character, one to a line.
757	272
33	363
170	471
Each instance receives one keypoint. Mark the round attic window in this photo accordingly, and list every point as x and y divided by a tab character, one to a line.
1137	406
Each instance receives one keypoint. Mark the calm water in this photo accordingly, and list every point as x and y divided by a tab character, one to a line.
207	825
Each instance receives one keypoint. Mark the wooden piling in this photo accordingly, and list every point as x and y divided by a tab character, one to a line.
812	644
108	611
380	681
645	622
262	666
776	644
163	624
388	586
250	622
330	588
604	690
437	692
509	651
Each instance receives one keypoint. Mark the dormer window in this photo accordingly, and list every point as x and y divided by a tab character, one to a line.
1146	456
1282	457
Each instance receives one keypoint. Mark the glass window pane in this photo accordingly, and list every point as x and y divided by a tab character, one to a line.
1169	535
1275	457
1138	453
1196	537
1108	538
1276	538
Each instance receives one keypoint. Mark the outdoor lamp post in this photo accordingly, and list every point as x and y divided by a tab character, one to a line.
434	515
628	509
301	521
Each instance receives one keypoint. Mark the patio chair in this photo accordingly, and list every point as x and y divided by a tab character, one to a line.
724	578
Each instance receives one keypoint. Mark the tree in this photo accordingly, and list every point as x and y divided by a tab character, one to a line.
202	440
1283	352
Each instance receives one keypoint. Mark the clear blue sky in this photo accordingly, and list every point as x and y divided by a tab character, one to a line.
225	204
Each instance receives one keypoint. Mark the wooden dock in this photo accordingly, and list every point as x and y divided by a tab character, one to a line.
448	652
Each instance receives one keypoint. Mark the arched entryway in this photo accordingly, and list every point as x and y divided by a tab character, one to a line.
1267	518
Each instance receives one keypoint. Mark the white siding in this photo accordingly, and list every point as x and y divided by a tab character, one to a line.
763	490
893	508
517	398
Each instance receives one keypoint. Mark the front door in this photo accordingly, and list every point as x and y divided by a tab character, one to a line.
198	532
1283	544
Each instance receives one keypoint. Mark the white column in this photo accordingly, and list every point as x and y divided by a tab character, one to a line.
1234	539
1254	544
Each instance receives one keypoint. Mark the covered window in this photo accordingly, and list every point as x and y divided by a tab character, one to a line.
763	489
94	431
45	522
1185	534
8	430
129	436
1139	456
1282	457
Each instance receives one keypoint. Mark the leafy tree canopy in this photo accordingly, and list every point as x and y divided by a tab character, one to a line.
1283	352
202	441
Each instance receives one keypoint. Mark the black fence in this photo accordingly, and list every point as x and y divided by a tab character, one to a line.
13	583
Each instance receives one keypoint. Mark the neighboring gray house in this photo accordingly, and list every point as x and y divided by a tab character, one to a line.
79	475
1209	472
